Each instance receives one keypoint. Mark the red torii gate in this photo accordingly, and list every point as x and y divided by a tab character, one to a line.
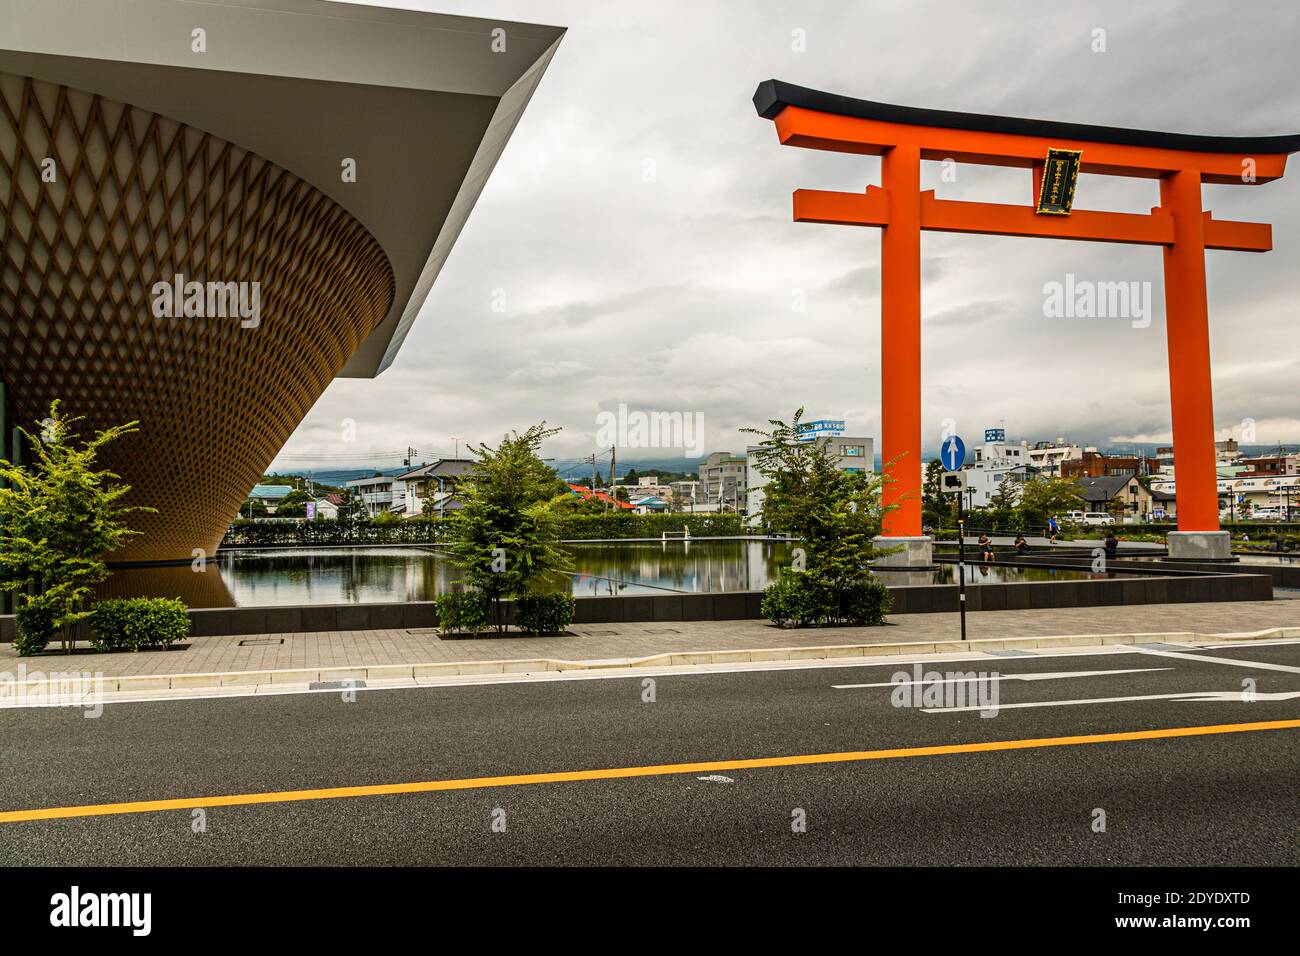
904	136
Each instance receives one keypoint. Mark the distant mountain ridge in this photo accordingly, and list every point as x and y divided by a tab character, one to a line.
649	465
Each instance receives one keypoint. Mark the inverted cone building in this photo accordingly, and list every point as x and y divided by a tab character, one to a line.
207	212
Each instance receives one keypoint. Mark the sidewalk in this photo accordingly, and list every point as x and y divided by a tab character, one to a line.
234	654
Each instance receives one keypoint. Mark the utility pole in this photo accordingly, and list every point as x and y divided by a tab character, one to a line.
613	487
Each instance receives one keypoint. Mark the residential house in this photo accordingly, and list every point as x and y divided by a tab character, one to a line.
269	495
1138	504
433	483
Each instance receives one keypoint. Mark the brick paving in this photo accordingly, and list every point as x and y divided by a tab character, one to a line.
205	655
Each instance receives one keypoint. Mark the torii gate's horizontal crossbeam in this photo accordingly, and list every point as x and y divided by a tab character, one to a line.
946	215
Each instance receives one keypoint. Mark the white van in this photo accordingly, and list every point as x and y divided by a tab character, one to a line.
1089	518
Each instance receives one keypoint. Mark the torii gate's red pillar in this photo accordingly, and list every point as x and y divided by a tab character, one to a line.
900	340
1187	327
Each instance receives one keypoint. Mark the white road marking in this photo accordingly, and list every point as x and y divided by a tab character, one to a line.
963	680
532	677
1231	695
1255	665
277	690
716	778
1238	644
1213	695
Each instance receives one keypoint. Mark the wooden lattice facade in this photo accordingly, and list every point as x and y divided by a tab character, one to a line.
99	201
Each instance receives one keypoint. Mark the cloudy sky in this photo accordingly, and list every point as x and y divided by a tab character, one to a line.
640	226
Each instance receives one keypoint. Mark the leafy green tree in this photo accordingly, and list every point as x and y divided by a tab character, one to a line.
253	508
1002	504
59	516
505	539
292	505
1040	498
575	504
353	509
352	517
833	512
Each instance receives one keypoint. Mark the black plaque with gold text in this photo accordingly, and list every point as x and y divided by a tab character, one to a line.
1060	173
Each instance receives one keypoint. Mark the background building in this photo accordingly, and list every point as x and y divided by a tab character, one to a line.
994	462
723	481
1050	457
434	483
850	454
375	493
1094	464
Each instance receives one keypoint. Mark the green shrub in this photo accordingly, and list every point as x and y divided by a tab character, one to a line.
108	625
133	623
796	600
864	603
34	620
799	600
462	611
545	613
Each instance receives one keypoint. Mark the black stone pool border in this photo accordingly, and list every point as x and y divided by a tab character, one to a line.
1149	583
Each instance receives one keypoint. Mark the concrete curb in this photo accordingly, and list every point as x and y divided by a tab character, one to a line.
417	672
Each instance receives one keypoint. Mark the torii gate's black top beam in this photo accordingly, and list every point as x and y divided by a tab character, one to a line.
772	96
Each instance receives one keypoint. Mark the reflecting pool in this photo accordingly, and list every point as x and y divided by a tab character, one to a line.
367	575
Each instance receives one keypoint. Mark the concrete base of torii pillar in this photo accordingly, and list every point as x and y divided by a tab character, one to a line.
914	553
1200	545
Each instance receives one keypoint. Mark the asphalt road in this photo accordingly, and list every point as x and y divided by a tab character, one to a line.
1206	800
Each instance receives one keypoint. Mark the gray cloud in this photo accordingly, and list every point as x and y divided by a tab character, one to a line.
696	292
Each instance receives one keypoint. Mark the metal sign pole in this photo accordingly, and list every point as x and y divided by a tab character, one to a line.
961	562
955	450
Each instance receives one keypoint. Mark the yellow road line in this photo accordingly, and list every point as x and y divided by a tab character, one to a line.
615	773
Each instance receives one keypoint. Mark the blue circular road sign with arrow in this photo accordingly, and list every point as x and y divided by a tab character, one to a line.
953	453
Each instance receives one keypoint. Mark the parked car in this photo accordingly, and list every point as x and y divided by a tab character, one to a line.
1097	518
1266	514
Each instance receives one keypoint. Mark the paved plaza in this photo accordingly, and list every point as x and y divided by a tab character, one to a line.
208	655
